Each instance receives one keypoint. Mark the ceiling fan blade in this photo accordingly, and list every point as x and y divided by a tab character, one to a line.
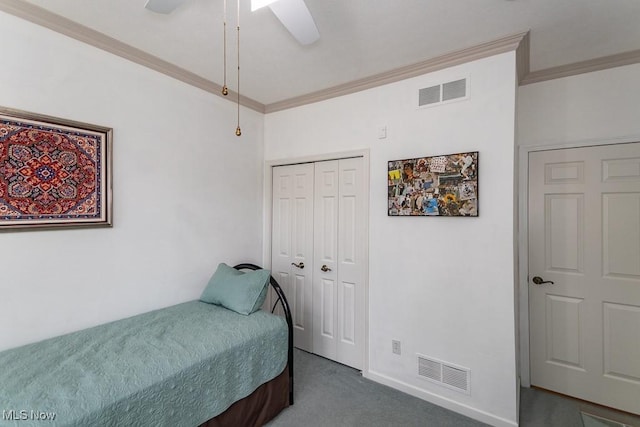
163	6
296	18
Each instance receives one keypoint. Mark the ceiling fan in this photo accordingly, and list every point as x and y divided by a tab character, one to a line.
293	14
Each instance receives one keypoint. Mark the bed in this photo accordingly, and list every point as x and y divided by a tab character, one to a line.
192	364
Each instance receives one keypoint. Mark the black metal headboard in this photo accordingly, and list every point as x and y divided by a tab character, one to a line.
287	313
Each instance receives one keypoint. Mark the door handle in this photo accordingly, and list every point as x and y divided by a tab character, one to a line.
325	268
300	266
540	281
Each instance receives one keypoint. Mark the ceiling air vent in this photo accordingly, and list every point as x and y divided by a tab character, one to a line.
445	374
442	93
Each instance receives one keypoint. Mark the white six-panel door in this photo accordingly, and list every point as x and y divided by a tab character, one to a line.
584	235
325	288
327	295
338	296
351	265
292	244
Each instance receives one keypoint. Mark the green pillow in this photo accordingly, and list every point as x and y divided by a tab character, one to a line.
242	292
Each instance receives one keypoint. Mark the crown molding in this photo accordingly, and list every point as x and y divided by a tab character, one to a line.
597	64
522	58
517	42
67	27
484	50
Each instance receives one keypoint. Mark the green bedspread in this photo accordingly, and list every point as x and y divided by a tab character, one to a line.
177	366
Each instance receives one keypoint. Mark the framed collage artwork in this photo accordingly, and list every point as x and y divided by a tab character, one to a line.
53	172
445	185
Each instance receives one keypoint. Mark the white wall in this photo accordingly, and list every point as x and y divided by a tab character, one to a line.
602	105
187	191
444	287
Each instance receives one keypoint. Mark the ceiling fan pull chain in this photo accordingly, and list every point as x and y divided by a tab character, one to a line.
238	131
225	90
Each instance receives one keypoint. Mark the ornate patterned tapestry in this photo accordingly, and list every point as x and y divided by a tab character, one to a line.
51	174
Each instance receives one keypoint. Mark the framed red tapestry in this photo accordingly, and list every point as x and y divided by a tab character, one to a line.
53	172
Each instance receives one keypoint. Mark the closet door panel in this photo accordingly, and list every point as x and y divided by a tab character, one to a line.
325	259
350	265
292	244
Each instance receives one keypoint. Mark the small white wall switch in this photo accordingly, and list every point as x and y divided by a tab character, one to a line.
395	347
382	132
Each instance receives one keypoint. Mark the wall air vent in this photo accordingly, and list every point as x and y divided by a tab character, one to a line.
442	93
454	90
445	374
429	95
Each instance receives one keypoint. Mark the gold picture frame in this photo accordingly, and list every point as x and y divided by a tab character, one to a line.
53	172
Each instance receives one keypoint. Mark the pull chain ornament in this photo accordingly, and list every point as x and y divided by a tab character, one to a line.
225	90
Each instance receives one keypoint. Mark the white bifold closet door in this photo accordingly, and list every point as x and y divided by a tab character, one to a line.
338	282
292	245
336	267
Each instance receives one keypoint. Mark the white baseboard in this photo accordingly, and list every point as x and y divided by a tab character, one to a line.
444	402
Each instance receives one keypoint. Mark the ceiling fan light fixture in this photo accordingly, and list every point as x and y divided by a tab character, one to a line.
296	18
257	4
163	6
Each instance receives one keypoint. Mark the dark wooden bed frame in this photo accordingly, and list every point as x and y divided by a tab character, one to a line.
270	398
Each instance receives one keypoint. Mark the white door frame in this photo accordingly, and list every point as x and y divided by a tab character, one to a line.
523	236
267	218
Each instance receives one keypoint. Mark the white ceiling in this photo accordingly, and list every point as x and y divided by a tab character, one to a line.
358	38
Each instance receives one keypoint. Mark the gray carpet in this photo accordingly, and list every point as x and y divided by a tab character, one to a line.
330	394
539	408
592	421
542	409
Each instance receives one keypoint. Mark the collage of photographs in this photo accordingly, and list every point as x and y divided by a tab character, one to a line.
445	185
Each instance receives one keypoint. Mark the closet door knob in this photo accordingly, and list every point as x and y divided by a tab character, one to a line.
325	268
300	266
